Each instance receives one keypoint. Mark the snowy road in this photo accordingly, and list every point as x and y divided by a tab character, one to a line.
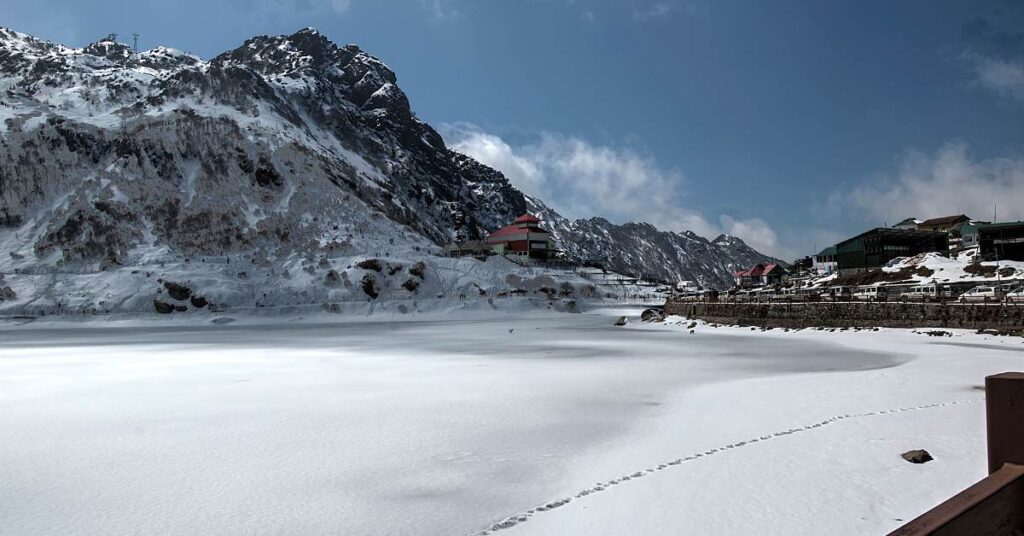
451	427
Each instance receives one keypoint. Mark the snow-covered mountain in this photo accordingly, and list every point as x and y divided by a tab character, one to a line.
642	250
288	147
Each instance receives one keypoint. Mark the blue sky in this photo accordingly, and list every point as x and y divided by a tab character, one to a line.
790	124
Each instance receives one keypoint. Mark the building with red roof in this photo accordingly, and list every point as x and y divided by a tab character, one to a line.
759	274
524	238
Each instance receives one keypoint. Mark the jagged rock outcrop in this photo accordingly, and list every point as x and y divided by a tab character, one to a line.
287	146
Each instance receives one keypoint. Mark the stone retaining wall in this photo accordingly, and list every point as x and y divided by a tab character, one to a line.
854	314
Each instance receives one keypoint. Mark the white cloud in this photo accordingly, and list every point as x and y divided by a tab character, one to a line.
1002	76
441	10
656	10
662	9
582	180
948	182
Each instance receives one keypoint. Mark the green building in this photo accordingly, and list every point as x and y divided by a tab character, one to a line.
1002	241
875	248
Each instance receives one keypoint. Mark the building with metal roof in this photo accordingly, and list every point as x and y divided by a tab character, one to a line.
945	223
875	248
1002	241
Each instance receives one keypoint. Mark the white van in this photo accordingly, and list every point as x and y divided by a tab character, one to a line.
870	294
982	294
926	293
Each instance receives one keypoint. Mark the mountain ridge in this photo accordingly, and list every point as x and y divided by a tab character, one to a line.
284	146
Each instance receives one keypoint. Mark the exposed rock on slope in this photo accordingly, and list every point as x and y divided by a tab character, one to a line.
287	149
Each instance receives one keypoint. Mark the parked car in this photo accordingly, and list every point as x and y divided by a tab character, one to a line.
927	293
982	294
1017	296
871	294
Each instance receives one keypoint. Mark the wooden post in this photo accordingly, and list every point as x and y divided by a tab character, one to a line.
1004	399
995	505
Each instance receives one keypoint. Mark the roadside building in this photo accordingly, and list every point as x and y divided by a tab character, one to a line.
944	224
759	275
996	241
687	286
909	223
824	262
950	225
524	238
875	248
467	248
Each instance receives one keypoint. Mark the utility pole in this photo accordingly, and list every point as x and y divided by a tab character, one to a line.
135	42
112	37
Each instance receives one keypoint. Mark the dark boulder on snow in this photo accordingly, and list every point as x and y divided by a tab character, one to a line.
163	308
418	269
917	456
199	302
371	264
370	286
621	321
652	315
177	291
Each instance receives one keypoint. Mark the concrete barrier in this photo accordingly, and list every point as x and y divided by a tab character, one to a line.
854	314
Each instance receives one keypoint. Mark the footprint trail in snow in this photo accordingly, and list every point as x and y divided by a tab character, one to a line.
514	520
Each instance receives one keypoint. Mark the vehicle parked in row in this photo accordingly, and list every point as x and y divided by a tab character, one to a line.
1016	296
985	294
837	294
928	293
809	294
871	294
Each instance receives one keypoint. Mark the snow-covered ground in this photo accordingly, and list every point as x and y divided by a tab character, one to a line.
462	427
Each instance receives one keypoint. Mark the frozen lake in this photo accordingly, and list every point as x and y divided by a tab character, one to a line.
430	427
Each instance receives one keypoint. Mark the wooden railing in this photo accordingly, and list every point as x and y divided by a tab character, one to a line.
995	505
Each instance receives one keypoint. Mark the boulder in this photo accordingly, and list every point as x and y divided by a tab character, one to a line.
177	291
199	302
917	456
371	264
370	286
418	269
621	321
163	308
652	315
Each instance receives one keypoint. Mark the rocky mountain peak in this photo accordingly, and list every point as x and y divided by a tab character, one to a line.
278	149
109	49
